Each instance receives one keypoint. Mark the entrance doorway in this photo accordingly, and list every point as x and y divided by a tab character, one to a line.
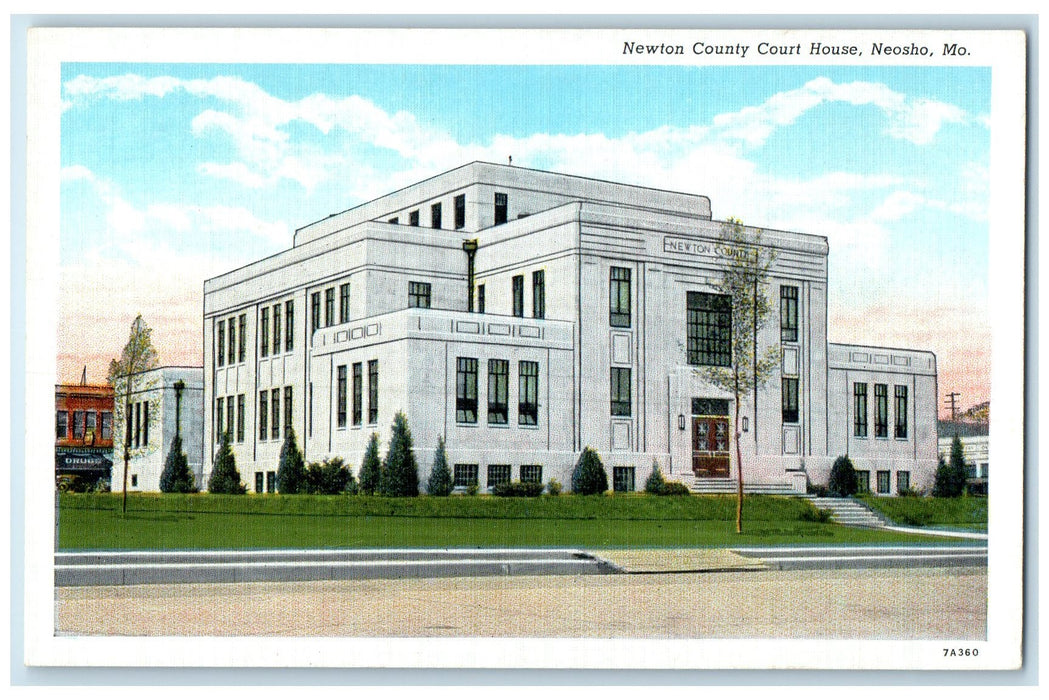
710	438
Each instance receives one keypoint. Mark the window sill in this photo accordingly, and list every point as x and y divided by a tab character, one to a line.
527	427
461	424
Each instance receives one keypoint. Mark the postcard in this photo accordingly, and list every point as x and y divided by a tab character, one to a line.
511	348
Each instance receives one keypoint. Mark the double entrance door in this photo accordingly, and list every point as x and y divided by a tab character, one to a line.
710	438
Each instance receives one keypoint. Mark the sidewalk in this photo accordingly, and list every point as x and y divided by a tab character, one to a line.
666	561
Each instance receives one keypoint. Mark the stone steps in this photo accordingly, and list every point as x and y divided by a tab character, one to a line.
847	511
729	485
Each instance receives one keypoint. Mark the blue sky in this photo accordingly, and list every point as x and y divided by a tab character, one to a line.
172	173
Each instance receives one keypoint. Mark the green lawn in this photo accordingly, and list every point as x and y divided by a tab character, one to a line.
154	521
969	513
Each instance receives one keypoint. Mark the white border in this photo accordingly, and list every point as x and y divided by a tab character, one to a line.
1003	51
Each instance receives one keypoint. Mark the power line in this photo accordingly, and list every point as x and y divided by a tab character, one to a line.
952	400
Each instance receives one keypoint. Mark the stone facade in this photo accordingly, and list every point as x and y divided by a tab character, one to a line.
152	413
524	315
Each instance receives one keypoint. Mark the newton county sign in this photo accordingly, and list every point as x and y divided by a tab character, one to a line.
686	247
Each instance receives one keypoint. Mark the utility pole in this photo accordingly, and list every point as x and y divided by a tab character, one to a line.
952	400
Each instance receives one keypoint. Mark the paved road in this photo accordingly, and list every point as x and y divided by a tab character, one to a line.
238	566
921	603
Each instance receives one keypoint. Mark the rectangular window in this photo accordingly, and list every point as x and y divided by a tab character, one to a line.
344	303
498	392
903	482
230	418
498	474
329	307
240	417
528	393
859	409
129	429
62	425
480	298
435	215
263	415
619	297
258	482
220	344
107	425
78	425
373	391
709	329
91	424
357	393
340	396
460	211
276	329
901	411
232	340
134	479
620	391
241	336
145	423
418	295
518	292
790	400
289	326
501	211
531	473
863	481
539	294
271	482
288	406
315	311
413	218
883	481
622	479
220	414
264	332
788	314
275	414
881	410
466	390
464	475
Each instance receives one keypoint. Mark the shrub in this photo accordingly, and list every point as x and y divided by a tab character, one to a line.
843	481
291	470
818	490
472	489
371	467
553	487
812	514
674	488
589	476
910	493
224	476
400	472
440	482
517	488
950	476
329	477
654	484
176	477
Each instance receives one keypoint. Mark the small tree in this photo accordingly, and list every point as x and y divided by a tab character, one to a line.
138	356
176	477
291	470
743	286
371	467
440	482
400	472
951	476
224	475
589	475
843	480
328	477
655	484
